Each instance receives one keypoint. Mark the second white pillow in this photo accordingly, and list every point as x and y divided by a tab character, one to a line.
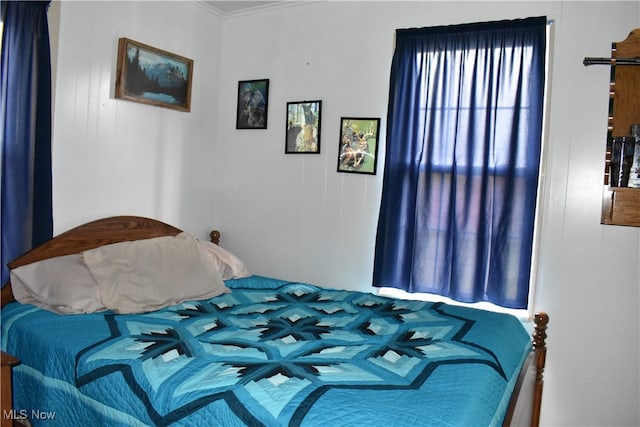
146	275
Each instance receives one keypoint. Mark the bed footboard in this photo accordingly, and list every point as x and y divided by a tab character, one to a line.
526	400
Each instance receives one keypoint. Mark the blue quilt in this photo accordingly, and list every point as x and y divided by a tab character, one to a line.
269	353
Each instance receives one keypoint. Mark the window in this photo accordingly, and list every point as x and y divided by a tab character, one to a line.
463	153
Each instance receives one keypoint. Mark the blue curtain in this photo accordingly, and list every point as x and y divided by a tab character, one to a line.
464	130
25	125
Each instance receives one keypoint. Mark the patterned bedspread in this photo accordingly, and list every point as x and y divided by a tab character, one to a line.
270	353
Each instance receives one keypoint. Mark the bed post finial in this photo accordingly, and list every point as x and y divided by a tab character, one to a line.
215	237
540	321
539	345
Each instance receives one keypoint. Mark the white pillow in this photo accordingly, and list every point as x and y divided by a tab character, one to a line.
149	274
229	265
63	285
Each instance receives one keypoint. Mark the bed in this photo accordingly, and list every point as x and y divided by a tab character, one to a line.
259	351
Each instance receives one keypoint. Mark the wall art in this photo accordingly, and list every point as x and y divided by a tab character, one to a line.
253	103
358	146
153	76
303	127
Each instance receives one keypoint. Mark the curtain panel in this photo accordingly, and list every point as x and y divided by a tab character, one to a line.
25	126
464	131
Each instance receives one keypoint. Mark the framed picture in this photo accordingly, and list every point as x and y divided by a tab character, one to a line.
303	127
253	102
358	146
153	76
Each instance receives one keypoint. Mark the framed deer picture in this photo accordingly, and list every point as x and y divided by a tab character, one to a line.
358	146
253	103
303	127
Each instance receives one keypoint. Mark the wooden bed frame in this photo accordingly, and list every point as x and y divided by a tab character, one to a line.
525	403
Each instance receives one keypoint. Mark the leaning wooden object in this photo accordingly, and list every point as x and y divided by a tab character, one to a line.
621	204
525	403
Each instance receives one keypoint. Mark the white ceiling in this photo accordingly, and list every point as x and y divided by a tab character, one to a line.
236	5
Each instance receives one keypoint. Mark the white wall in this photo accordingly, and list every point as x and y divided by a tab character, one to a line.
589	273
294	216
112	156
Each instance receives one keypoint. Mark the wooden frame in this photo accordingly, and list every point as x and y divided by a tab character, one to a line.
525	404
7	363
253	104
526	400
153	76
621	203
358	145
303	127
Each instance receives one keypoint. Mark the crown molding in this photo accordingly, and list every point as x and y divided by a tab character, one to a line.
208	6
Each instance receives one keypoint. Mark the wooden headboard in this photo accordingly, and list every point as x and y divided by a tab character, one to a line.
89	236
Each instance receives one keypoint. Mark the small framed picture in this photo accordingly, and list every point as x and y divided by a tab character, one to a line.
153	76
253	103
303	127
358	146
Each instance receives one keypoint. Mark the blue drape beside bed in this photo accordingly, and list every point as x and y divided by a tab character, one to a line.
25	126
462	159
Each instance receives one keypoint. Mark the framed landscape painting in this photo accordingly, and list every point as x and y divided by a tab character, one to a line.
153	76
358	145
303	127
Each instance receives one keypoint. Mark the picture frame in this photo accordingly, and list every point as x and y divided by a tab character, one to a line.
304	119
358	145
153	76
253	104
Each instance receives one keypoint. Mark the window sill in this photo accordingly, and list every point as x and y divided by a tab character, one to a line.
523	314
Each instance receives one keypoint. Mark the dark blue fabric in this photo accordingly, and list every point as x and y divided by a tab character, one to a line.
25	122
463	142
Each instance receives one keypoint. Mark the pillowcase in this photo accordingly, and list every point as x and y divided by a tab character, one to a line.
149	274
63	285
229	265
